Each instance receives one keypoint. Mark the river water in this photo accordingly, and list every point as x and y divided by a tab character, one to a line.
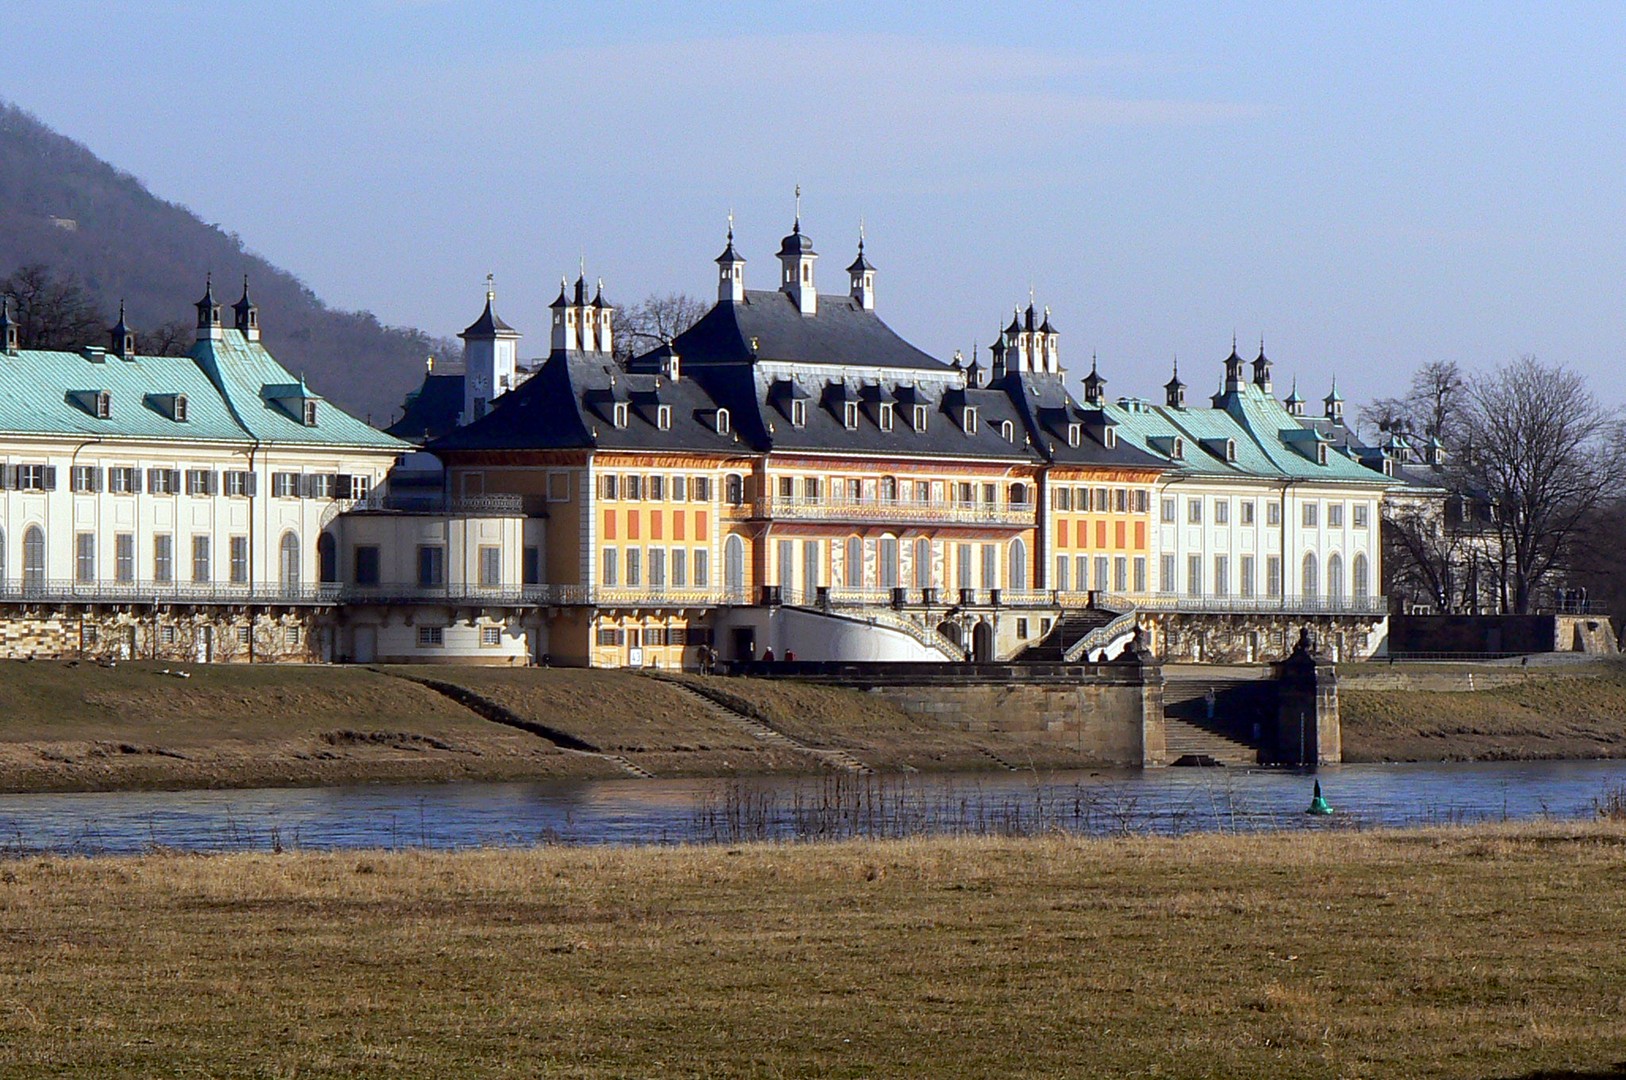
674	811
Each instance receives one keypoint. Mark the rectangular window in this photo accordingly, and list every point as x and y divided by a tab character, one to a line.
163	481
1140	573
431	566
1247	511
87	479
657	488
36	478
1194	511
1120	500
1120	574
1273	513
1143	501
243	635
285	485
1310	515
167	635
1101	566
124	557
1245	584
700	487
1222	575
1222	511
988	494
1335	515
1021	628
490	635
490	567
680	568
324	486
1360	516
702	568
84	557
239	560
1083	566
1194	575
635	567
1273	575
632	488
787	487
430	637
1168	510
1166	583
1062	576
606	487
366	564
657	568
611	564
239	484
1062	498
163	558
201	571
990	566
814	488
200	482
962	565
530	566
123	481
680	488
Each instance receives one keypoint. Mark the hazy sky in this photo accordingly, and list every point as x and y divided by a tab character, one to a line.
1367	186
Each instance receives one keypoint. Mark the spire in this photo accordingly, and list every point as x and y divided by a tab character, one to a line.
796	259
1334	402
1294	403
862	275
730	270
124	343
1094	385
1175	390
208	310
1261	368
247	314
1233	370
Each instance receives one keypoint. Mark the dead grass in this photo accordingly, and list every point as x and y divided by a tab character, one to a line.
1541	716
1491	952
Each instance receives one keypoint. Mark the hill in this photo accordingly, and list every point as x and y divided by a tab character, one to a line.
62	206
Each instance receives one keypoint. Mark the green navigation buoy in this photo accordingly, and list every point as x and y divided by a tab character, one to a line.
1318	805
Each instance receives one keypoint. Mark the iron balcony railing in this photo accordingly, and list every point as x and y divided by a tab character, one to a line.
1243	605
435	502
52	590
893	511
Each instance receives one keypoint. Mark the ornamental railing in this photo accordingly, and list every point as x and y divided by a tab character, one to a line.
71	591
1243	605
893	511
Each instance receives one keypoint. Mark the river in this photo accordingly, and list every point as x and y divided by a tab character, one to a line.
674	811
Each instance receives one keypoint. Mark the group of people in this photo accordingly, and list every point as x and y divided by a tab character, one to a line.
708	658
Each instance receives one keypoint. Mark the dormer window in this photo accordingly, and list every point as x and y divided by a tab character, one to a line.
798	414
1179	450
920	418
180	408
310	414
1109	437
1074	434
1388	467
104	406
663	417
968	419
619	414
886	416
849	415
1321	454
1230	449
722	422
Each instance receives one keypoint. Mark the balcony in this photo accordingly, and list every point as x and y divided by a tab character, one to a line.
54	591
1246	605
408	501
894	512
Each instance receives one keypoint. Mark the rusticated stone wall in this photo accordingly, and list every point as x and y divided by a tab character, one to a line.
1259	637
184	635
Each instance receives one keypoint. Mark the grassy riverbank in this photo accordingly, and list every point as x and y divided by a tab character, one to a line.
1484	713
1491	952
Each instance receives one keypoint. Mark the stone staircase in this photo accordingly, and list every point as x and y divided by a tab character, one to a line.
1241	701
836	759
1185	739
1070	629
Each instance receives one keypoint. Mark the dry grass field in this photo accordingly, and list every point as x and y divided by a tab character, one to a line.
1493	952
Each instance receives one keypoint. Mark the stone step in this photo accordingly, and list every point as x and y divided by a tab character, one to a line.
1182	738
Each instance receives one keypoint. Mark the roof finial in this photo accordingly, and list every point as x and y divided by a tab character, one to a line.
860	234
581	266
1092	361
797	227
730	224
491	287
1233	341
1176	365
1030	292
429	364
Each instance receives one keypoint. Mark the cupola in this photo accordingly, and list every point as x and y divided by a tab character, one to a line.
1334	402
124	339
862	275
730	271
1174	391
1233	371
796	259
247	315
208	312
1261	369
8	328
1293	402
1094	385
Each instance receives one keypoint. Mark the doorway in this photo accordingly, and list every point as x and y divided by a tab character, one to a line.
982	643
205	644
744	639
364	642
635	648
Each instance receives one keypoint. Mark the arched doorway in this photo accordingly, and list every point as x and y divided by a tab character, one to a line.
288	561
950	629
734	569
1335	579
982	643
1309	584
34	559
1363	577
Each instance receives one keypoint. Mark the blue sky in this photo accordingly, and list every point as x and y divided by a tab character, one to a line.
1368	186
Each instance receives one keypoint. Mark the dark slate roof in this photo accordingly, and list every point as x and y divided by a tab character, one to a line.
487	325
1047	409
840	332
570	403
431	410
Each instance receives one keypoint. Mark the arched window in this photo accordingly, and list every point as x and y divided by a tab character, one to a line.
855	563
1335	578
288	560
889	489
1363	577
1017	579
1310	584
734	567
889	563
1019	495
735	488
34	558
923	563
327	558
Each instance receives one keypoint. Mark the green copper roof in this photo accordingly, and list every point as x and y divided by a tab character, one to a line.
1269	442
232	389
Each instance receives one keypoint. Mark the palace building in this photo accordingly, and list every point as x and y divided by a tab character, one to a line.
175	507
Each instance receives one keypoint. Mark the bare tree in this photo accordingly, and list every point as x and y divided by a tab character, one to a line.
1431	407
653	320
1545	453
174	338
52	312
